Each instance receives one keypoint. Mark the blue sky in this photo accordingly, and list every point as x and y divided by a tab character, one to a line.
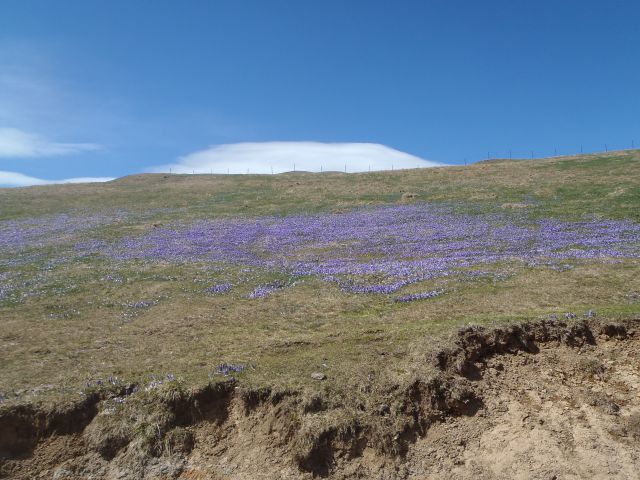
104	89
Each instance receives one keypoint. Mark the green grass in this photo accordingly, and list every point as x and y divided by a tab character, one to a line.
80	328
604	185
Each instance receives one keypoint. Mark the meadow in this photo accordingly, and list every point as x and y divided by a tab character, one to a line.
153	279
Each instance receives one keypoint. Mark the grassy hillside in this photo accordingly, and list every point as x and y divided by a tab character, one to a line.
605	184
160	276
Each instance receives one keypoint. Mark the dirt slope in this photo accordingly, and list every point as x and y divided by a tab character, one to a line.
544	400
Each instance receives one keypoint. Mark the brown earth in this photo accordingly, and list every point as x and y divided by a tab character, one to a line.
545	400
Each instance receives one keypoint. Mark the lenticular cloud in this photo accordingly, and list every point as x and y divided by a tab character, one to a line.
277	157
15	143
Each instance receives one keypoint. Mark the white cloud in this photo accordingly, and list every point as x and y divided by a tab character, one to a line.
306	156
15	179
83	180
15	143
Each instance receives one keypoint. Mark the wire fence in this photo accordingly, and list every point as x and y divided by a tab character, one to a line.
585	149
508	154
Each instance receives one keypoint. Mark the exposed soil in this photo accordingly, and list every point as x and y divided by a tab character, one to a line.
546	400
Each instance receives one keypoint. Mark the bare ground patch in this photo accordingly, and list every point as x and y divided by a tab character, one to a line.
540	400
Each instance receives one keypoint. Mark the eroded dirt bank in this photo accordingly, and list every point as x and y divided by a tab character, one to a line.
541	400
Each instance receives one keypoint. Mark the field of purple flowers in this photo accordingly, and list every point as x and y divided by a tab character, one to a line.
159	277
377	250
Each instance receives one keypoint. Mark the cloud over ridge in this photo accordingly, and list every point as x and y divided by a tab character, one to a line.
16	179
277	157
